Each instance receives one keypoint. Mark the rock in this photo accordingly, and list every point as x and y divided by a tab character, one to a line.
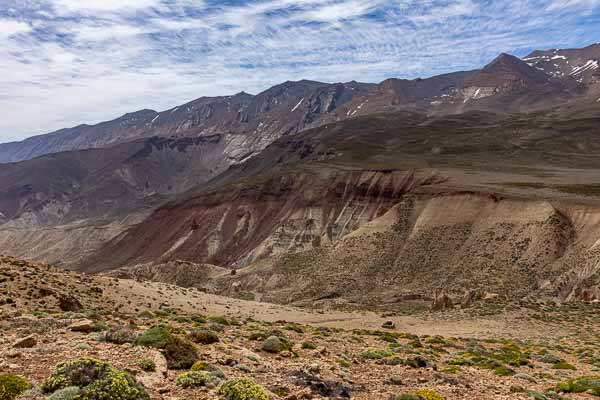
471	297
490	296
389	325
441	301
286	354
26	342
84	326
14	354
69	303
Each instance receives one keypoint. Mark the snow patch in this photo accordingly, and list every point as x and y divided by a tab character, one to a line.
297	105
590	64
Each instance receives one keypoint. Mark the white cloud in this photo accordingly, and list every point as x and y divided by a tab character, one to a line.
86	6
11	27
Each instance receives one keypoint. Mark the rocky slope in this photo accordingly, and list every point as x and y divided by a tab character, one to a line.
159	341
297	214
231	227
513	248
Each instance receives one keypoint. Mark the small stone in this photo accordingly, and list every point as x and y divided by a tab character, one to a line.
26	342
389	325
286	354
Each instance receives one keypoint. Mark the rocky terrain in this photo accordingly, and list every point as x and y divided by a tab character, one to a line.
164	341
426	239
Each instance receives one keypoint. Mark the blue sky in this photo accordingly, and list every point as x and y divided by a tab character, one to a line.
66	62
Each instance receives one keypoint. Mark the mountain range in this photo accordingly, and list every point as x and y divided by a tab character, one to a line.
492	169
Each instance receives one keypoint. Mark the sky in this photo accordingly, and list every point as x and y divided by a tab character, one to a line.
67	62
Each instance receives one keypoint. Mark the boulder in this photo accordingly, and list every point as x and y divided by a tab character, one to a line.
471	297
441	301
85	326
69	303
26	342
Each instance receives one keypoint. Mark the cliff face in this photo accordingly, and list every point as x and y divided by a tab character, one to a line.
514	248
235	226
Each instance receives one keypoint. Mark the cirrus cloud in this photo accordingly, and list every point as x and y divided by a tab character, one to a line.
67	62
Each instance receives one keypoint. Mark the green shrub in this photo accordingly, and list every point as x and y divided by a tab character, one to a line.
68	393
192	379
503	371
204	336
180	353
371	354
275	344
199	366
120	335
243	389
585	384
12	386
419	395
146	314
96	379
147	365
309	345
219	319
563	365
428	395
157	337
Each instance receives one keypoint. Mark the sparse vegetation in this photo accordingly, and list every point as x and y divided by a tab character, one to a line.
193	379
96	379
12	386
243	389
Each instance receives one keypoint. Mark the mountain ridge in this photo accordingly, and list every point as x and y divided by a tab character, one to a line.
293	106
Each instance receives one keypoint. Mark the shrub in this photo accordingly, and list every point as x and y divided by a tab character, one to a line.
372	354
563	365
192	379
503	371
12	386
180	353
204	336
96	379
198	366
219	319
243	389
428	395
147	365
157	337
275	344
406	396
589	384
120	335
68	393
309	345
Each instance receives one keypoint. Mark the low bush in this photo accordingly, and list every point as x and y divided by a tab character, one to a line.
96	379
157	337
204	336
243	389
193	379
180	353
12	386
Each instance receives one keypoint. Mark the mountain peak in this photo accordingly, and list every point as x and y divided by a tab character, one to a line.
506	72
